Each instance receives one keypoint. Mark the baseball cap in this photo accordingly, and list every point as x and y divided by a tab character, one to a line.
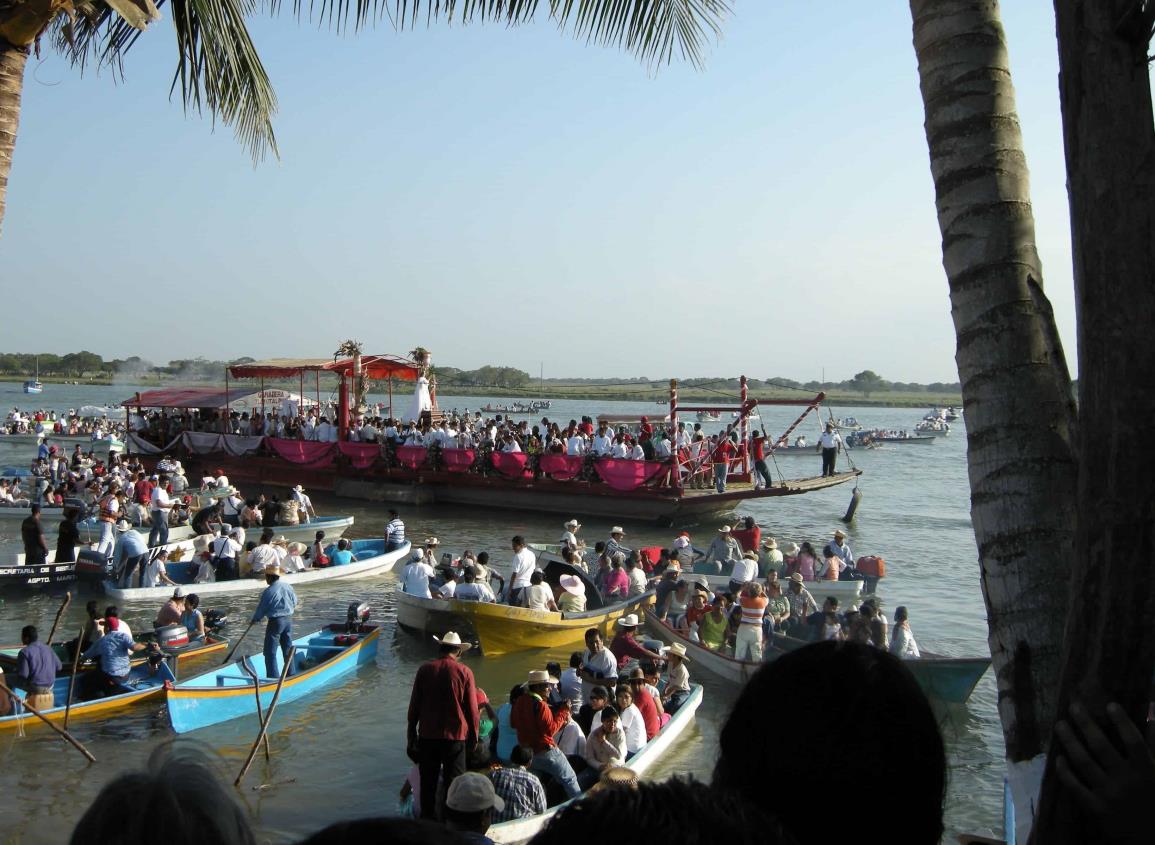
472	793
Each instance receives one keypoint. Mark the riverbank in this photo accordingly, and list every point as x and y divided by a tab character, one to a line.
652	391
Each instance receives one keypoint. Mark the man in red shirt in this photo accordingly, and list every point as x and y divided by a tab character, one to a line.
442	721
761	471
625	646
536	723
142	490
721	456
645	703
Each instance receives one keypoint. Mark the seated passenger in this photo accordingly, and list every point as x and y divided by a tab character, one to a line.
573	597
192	618
520	788
473	590
539	595
343	554
293	561
172	610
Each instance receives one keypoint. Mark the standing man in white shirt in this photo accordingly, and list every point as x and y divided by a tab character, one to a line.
415	577
830	442
161	508
521	571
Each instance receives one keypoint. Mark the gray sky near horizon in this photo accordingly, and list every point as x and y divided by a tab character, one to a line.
514	197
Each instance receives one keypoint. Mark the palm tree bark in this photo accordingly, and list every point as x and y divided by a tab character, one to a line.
1020	414
12	62
1109	134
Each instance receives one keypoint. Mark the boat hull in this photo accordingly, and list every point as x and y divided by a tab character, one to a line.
377	563
429	616
716	663
333	526
146	686
227	693
522	830
502	629
848	593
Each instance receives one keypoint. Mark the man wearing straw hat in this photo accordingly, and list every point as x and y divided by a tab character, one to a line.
442	721
536	723
278	603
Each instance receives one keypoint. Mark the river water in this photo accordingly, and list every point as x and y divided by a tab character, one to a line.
339	754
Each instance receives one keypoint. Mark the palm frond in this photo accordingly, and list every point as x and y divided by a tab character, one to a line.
217	64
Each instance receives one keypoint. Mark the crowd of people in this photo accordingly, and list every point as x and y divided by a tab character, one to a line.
46	422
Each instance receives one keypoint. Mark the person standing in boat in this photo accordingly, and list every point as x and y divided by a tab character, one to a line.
521	570
830	443
394	532
36	668
442	722
109	511
32	533
278	604
614	544
416	575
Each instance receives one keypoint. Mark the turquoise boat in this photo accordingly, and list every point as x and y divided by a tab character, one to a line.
142	683
225	693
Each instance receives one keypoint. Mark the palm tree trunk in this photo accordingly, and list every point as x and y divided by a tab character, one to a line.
1020	413
12	61
1105	93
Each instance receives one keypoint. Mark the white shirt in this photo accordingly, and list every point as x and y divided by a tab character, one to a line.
829	439
477	591
632	724
261	557
294	563
448	590
226	547
744	570
537	597
637	453
152	574
522	567
511	446
603	444
662	448
415	579
619	450
570	739
569	540
575	446
161	501
637	581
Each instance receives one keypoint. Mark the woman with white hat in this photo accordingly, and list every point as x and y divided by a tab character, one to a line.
573	596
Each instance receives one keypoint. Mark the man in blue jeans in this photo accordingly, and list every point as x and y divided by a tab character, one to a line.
278	603
536	723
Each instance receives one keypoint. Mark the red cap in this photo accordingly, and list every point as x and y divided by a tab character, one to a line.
481	697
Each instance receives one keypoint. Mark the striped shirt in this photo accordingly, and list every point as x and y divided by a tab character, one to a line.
753	608
521	790
395	531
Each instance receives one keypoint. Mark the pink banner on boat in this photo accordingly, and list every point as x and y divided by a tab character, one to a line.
411	457
458	460
303	452
561	467
360	455
510	464
628	475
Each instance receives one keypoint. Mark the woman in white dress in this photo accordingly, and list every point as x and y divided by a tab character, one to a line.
902	642
422	401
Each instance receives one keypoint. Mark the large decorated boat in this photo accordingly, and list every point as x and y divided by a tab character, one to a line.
678	488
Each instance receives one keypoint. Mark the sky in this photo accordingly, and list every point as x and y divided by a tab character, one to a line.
517	197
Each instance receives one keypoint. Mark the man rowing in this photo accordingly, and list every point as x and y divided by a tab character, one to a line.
278	604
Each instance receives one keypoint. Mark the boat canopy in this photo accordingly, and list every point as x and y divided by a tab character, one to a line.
373	367
215	398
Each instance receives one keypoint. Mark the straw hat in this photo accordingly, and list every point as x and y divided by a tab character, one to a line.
725	529
839	534
572	584
296	548
796	577
677	649
630	620
453	638
769	543
432	541
750	555
539	676
793	549
274	569
573	525
280	541
617	529
619	776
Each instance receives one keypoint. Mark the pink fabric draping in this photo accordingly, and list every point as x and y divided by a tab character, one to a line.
561	467
458	460
510	464
628	475
411	457
360	455
303	452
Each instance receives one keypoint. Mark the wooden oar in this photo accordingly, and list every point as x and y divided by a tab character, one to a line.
69	737
268	716
248	670
59	613
229	656
72	677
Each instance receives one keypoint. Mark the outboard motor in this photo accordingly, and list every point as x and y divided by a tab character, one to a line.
172	636
356	617
92	564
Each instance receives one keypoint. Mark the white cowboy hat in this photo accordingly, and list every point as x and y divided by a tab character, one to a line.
769	543
452	638
572	584
677	649
750	555
298	489
540	676
280	541
839	534
630	620
796	577
793	549
725	529
123	525
617	529
432	541
573	523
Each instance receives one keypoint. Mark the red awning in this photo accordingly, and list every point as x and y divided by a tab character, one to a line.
181	397
374	367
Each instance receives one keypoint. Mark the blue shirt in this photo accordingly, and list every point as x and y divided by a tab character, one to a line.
114	650
278	599
341	557
36	666
129	544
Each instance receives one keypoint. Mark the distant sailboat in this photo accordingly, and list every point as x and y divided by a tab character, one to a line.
34	385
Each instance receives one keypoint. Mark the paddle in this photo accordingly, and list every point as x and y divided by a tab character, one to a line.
69	737
72	677
248	670
229	656
63	607
268	716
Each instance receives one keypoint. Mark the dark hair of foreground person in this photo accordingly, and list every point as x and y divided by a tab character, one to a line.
687	812
851	736
178	800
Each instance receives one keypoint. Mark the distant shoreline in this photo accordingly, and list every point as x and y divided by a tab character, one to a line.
591	393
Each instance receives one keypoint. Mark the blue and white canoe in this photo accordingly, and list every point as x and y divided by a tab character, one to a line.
141	684
322	657
369	558
522	830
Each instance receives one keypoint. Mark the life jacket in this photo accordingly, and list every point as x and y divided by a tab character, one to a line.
107	514
872	565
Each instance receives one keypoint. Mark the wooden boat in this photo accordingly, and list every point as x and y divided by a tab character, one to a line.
226	692
910	439
950	680
333	526
369	558
209	645
714	662
521	830
142	684
501	628
428	616
848	593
